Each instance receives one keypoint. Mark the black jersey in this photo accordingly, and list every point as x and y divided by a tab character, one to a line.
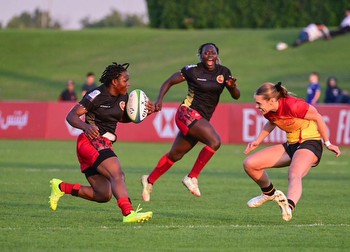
204	87
105	110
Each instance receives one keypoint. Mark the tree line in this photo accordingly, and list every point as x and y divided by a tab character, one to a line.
43	20
208	14
200	14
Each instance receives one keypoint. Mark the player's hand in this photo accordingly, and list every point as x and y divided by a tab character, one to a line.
150	107
250	147
335	149
231	82
91	131
158	106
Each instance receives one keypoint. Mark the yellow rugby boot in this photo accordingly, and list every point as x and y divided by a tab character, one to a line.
56	193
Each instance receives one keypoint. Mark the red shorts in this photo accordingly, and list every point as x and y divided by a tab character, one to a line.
185	118
88	151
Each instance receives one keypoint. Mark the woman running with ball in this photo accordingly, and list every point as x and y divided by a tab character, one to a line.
103	108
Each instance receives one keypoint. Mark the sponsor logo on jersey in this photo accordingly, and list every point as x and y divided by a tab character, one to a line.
199	79
91	96
220	79
122	105
190	66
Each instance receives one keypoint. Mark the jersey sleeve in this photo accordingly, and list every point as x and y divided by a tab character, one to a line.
187	71
88	99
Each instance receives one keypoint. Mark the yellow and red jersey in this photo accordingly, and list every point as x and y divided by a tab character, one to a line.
290	118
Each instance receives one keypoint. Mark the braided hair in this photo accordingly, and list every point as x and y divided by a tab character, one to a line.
112	72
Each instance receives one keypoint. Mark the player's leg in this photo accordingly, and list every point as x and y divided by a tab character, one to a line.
204	132
179	148
302	162
307	155
255	166
111	169
99	191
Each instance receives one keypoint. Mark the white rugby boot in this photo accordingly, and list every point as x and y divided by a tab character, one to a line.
192	185
282	201
146	188
259	200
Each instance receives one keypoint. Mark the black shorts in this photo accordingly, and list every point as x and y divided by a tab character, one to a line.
313	145
104	154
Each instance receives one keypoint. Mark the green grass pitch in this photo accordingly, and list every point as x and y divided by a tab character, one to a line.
217	221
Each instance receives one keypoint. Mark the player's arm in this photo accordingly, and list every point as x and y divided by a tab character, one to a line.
232	87
312	114
172	80
73	118
268	127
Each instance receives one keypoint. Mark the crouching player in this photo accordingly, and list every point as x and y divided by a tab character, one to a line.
304	127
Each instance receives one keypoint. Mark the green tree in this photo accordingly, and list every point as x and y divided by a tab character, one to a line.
39	19
114	19
200	14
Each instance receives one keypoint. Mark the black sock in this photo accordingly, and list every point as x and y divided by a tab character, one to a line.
291	204
75	192
270	190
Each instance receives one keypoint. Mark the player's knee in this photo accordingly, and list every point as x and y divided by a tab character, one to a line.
248	165
215	145
119	176
103	198
175	156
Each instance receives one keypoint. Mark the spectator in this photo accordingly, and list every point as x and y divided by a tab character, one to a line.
334	94
311	33
314	89
69	93
344	25
89	83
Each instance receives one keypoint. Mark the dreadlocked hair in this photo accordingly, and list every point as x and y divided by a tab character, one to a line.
269	90
113	72
200	49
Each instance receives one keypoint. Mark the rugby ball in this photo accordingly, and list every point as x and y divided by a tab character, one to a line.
136	106
281	46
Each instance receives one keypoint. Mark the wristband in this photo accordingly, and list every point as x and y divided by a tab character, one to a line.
327	143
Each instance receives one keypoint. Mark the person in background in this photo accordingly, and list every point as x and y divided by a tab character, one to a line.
311	33
104	108
334	94
344	25
313	91
69	93
305	130
205	81
89	83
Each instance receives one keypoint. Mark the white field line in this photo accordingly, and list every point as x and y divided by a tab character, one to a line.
138	226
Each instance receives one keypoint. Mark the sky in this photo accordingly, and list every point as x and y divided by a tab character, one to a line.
69	12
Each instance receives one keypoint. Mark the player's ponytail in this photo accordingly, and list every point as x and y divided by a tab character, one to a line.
269	90
282	92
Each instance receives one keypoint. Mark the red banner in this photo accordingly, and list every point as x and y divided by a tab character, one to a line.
236	123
